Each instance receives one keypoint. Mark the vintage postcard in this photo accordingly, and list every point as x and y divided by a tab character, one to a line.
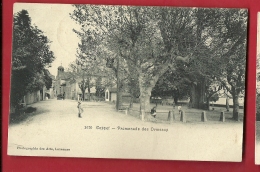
257	145
99	81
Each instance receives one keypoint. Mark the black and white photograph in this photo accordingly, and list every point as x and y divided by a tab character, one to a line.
257	145
128	82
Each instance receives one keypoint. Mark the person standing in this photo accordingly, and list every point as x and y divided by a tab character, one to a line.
80	109
227	103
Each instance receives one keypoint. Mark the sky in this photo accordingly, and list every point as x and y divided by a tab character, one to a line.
55	22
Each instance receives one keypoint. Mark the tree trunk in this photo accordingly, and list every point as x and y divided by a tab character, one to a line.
227	104
208	103
235	104
119	95
131	102
118	86
88	93
198	95
202	91
195	96
175	100
83	95
119	99
145	94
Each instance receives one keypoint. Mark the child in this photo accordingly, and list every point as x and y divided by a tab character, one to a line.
153	111
179	108
80	109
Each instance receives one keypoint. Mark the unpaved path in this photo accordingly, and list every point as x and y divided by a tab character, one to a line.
56	125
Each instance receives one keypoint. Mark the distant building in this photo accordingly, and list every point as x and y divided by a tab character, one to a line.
110	94
74	92
61	82
66	84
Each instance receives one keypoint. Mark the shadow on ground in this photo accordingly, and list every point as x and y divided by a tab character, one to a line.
19	117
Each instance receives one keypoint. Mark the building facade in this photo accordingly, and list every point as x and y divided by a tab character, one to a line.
67	85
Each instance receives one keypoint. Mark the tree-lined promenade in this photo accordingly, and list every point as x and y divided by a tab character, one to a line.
179	52
148	52
179	60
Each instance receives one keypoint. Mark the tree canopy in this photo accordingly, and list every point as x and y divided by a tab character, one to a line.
31	56
195	49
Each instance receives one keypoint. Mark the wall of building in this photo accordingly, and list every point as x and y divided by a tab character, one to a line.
73	91
50	91
113	97
30	98
67	91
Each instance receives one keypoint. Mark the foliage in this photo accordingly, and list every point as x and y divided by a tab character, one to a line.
214	97
31	55
47	78
100	89
168	49
234	54
90	74
174	84
84	84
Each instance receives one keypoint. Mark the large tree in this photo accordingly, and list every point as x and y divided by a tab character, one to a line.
216	34
30	57
233	54
151	41
140	43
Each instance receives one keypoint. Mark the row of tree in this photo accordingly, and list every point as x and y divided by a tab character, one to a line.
31	56
90	75
194	50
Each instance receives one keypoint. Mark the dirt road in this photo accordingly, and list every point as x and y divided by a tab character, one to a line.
56	130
